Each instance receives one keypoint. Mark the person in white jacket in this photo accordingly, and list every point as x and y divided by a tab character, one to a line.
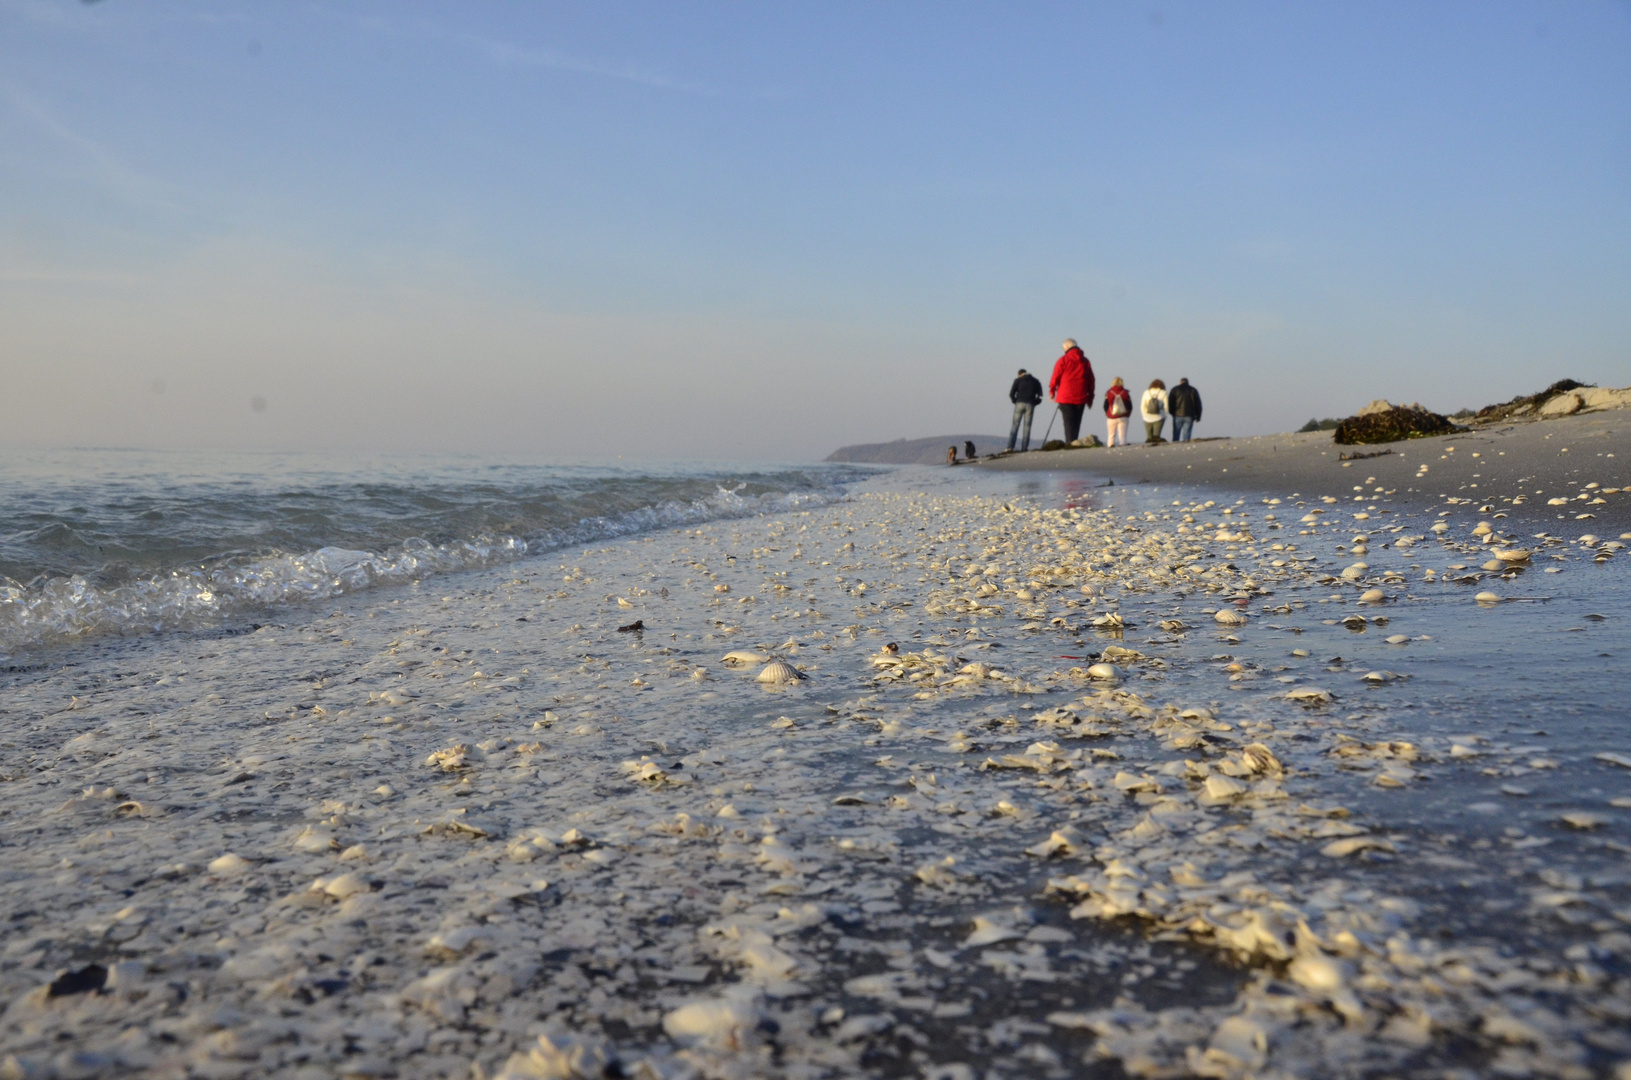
1153	408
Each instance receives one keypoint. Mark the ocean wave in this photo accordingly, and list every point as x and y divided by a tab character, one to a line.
53	610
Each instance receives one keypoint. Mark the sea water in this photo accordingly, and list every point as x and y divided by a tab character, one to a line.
95	542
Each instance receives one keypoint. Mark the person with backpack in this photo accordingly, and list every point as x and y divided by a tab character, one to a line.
1072	387
1118	406
1026	394
1184	403
1152	407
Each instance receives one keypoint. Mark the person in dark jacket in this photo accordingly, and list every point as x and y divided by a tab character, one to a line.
1184	403
1026	394
1072	387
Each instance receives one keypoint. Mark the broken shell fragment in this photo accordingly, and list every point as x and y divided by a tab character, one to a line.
744	656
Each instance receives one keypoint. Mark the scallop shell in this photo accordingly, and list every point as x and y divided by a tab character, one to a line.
1487	598
1512	554
1107	672
1230	617
744	656
1372	596
780	673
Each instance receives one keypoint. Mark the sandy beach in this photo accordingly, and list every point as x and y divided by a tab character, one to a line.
1539	460
1112	803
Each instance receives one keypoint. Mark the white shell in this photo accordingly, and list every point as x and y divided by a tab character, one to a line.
1372	596
1512	554
1487	598
1230	617
779	673
744	656
1108	672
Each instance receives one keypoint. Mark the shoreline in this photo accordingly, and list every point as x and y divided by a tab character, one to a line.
472	823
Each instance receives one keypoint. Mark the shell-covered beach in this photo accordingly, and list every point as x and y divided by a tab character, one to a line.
1146	780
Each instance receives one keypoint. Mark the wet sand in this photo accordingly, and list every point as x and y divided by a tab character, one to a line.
470	828
1541	460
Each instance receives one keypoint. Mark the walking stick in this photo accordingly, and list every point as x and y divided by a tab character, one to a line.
1051	419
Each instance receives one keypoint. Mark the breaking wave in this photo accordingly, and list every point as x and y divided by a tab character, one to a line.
129	554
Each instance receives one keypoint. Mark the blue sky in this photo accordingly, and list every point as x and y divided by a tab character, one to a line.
761	231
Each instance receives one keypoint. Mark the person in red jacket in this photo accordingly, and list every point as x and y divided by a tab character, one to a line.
1072	387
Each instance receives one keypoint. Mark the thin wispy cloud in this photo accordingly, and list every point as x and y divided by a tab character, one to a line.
112	172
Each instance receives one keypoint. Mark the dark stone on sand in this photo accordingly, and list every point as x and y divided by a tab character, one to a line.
1530	404
1054	444
1392	425
88	978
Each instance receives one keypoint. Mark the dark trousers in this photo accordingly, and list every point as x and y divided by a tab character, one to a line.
1072	416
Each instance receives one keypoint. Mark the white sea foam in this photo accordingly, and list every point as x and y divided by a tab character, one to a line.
545	514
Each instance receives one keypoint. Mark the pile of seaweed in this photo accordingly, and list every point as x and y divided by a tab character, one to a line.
1391	425
1529	405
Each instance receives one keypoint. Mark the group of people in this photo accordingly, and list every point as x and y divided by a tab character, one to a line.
1072	389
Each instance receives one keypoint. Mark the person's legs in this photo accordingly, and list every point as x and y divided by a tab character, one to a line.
1072	416
1118	430
1013	428
1181	427
1030	414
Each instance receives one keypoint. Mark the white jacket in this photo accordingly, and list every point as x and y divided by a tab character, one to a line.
1153	405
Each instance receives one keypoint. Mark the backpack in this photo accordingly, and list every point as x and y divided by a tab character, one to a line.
1119	406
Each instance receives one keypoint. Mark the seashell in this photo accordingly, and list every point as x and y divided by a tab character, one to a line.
341	886
1380	676
1372	596
1230	617
1110	621
1494	565
722	588
1220	788
453	942
1612	758
316	840
782	723
1513	555
719	1022
1318	973
1583	820
1441	527
1309	695
988	932
1337	849
229	865
780	674
1174	626
1107	672
1398	639
453	759
1355	572
1487	598
744	656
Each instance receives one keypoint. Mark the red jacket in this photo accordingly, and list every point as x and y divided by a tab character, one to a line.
1118	392
1072	382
